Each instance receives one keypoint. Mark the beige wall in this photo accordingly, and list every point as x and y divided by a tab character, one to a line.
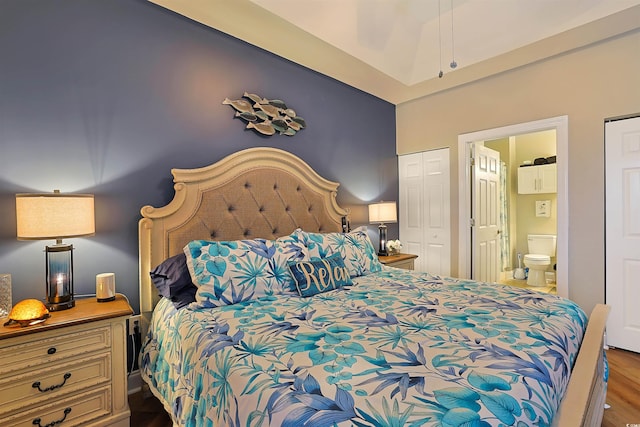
588	85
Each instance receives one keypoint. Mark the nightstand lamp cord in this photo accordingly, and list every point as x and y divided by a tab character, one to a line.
133	354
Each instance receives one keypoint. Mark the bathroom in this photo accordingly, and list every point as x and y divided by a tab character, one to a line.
527	214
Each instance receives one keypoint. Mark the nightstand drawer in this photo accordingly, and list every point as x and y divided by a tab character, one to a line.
75	411
63	379
69	343
405	261
405	264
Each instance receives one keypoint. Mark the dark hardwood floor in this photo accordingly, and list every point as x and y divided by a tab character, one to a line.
623	395
623	391
147	411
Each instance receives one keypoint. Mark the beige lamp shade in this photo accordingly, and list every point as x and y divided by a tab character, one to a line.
54	216
382	212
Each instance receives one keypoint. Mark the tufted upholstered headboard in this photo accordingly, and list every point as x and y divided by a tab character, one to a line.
255	193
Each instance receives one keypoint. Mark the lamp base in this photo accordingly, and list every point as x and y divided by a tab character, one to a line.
59	306
59	259
382	249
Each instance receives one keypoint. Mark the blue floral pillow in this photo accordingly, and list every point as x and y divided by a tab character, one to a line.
355	247
320	275
229	272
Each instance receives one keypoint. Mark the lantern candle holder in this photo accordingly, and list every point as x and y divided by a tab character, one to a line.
59	261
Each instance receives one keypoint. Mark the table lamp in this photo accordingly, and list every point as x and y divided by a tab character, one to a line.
56	216
381	213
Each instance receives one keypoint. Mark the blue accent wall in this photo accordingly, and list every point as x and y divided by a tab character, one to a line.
106	96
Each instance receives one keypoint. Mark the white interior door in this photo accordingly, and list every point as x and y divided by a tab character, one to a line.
437	226
424	200
622	242
485	200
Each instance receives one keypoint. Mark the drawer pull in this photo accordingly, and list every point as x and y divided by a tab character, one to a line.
52	350
36	422
53	387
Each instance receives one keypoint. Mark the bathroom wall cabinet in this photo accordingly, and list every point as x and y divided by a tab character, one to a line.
538	179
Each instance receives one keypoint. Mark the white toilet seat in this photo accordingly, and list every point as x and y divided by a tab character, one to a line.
536	259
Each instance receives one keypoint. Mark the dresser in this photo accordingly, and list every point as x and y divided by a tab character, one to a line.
405	261
69	370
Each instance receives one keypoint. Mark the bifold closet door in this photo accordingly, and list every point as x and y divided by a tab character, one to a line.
424	208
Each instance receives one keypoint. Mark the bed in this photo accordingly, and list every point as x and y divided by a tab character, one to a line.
288	318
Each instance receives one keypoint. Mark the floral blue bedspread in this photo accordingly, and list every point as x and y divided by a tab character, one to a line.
399	348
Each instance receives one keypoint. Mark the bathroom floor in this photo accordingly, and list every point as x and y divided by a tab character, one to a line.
507	280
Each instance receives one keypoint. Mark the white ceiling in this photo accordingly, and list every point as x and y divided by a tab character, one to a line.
402	38
395	49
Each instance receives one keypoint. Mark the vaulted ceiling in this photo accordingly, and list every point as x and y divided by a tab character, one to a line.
396	49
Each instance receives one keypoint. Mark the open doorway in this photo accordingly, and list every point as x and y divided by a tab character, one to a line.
526	207
465	142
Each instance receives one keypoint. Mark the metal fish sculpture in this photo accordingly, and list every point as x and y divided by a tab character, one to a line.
278	104
266	116
241	105
269	109
302	122
250	117
293	125
262	115
280	125
256	98
264	128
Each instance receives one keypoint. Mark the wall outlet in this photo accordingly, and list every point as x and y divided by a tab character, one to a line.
134	323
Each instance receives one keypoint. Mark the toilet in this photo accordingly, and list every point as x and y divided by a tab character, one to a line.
541	248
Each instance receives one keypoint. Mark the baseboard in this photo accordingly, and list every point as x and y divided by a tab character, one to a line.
134	382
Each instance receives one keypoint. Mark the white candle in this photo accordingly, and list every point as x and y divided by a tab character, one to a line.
60	285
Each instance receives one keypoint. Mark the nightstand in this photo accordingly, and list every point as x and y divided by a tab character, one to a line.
399	261
71	367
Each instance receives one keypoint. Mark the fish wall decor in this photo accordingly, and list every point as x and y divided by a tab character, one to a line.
266	116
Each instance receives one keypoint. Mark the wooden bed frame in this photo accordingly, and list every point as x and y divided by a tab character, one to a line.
267	192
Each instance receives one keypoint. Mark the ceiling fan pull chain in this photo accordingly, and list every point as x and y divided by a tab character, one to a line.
440	74
453	64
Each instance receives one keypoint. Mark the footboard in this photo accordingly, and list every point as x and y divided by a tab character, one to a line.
583	404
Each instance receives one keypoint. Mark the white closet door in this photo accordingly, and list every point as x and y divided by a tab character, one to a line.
410	203
424	200
622	189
